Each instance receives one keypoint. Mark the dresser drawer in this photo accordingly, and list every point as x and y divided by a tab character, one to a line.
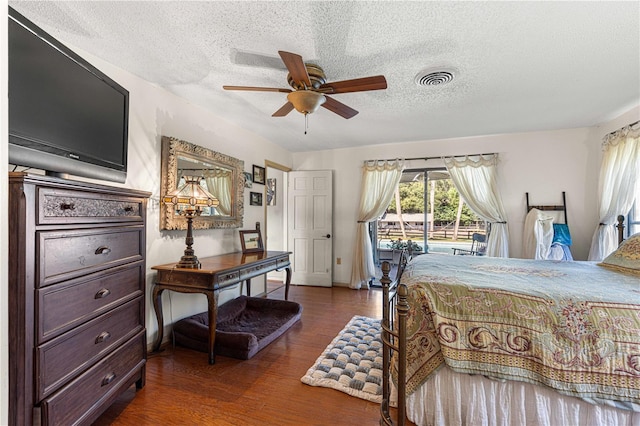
68	254
282	263
228	278
76	402
61	359
69	206
252	271
66	305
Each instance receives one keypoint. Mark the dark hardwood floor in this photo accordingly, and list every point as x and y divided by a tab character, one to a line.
183	389
273	285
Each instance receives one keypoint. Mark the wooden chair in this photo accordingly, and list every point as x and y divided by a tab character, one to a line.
478	246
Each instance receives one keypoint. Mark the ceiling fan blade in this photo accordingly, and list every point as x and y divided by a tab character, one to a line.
257	89
284	110
339	108
377	82
296	67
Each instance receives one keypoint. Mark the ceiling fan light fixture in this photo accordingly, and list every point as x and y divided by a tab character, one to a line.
306	101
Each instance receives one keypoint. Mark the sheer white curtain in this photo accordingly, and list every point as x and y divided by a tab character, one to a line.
219	184
617	187
379	182
475	179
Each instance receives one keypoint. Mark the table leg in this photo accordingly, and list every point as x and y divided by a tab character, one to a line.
212	302
287	282
157	305
248	287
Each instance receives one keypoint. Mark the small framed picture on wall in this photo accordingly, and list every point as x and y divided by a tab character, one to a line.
248	179
258	174
271	192
255	198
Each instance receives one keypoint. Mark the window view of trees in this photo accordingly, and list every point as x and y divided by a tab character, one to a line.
450	223
446	201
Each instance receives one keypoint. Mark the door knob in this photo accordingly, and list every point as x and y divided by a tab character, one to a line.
328	235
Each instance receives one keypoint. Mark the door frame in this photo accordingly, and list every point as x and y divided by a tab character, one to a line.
271	164
277	166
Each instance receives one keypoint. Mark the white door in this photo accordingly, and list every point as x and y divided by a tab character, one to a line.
310	221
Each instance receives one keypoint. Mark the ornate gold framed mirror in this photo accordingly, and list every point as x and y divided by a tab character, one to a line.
221	175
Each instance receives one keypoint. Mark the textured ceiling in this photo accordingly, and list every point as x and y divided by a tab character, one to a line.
521	66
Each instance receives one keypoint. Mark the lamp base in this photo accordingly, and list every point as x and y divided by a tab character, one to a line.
188	262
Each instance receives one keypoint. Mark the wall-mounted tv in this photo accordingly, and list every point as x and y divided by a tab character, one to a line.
65	116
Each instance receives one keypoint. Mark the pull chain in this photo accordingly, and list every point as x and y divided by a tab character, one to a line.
306	123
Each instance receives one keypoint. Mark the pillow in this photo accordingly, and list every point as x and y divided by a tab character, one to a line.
626	257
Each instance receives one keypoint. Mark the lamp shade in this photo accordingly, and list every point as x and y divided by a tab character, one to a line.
189	200
190	196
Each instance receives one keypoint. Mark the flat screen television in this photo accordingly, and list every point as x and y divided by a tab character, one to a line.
65	116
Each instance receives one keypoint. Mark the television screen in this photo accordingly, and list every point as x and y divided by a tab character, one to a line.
65	116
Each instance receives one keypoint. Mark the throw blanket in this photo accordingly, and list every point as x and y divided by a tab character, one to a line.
572	326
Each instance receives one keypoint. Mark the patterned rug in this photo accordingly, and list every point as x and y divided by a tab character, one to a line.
352	363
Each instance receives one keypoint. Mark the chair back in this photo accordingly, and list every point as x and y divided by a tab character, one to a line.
478	244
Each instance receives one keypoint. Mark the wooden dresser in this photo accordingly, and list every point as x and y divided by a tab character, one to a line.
76	298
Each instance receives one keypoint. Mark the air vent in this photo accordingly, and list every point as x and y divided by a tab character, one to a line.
435	77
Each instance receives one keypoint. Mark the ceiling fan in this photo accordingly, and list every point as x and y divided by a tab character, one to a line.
310	88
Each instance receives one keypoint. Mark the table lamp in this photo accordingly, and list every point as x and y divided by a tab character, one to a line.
188	201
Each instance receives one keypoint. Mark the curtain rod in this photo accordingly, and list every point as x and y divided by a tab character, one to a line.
628	125
434	158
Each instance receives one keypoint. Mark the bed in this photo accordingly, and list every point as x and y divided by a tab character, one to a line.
491	341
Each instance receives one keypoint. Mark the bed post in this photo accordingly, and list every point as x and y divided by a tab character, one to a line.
402	308
620	227
393	339
385	417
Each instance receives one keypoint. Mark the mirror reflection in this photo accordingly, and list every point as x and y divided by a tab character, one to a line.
216	179
220	174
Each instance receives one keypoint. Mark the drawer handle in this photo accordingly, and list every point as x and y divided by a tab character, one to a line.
102	293
103	337
67	206
103	250
128	209
108	379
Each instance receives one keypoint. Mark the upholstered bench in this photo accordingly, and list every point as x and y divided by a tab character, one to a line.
245	325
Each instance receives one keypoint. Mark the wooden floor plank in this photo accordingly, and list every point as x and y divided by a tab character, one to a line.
183	389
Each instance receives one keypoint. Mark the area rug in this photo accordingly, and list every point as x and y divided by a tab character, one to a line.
352	363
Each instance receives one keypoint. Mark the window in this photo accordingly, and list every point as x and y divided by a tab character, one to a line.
427	211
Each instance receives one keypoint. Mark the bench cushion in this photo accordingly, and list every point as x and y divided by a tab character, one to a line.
245	325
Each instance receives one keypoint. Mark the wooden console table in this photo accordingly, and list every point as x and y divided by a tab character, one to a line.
216	273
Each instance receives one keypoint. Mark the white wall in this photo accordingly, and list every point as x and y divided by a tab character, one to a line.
541	163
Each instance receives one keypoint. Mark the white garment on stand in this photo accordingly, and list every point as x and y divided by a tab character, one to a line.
538	235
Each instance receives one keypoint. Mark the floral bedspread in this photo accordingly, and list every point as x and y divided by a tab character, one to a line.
572	326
